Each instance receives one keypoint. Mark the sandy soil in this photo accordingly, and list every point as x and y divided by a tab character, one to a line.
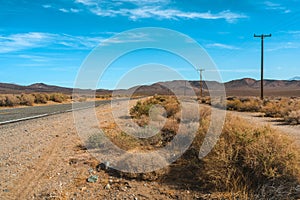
44	159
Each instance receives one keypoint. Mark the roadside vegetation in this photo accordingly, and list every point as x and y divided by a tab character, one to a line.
11	100
288	109
246	163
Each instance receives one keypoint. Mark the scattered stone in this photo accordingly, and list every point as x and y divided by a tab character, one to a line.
107	187
102	166
92	179
91	170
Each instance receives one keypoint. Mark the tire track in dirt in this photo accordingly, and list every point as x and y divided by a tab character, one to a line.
29	179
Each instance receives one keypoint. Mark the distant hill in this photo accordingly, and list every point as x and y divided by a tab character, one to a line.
296	78
240	87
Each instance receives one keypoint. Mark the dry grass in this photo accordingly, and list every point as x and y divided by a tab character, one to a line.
285	108
11	100
246	163
293	117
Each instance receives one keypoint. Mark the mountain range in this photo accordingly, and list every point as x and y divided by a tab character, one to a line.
240	87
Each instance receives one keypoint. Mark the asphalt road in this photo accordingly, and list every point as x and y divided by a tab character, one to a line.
19	114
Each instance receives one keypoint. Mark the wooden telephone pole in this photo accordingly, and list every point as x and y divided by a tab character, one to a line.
201	82
262	36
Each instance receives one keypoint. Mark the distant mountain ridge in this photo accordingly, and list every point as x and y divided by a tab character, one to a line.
296	78
245	86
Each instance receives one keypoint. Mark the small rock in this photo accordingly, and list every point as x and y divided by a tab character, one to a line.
6	190
92	179
102	166
107	187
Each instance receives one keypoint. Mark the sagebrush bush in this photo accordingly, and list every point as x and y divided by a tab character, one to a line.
58	97
40	98
293	117
27	99
246	158
11	100
170	104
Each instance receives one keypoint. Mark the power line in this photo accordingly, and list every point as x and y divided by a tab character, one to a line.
262	36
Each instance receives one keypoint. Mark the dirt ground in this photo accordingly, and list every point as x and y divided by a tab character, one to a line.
44	159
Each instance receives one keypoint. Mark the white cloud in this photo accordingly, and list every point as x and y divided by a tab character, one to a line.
159	9
71	10
16	42
63	10
275	6
222	46
284	45
47	6
23	41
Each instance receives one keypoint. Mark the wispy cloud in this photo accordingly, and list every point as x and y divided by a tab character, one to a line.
16	42
47	6
64	10
31	40
276	6
71	10
222	46
159	9
284	45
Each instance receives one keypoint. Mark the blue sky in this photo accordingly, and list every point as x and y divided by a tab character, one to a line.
47	41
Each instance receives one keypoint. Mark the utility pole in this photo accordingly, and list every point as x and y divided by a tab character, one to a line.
262	36
201	82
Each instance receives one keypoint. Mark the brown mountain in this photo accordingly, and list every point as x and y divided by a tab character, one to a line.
241	87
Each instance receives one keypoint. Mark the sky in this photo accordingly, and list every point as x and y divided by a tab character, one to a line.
49	41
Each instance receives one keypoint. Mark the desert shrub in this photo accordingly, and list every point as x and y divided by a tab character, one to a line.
40	98
125	141
234	104
244	104
170	104
27	99
277	108
246	159
2	100
58	97
293	117
11	100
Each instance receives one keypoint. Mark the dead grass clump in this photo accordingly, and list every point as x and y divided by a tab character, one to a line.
27	99
170	104
293	117
40	98
246	158
58	97
9	100
244	104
